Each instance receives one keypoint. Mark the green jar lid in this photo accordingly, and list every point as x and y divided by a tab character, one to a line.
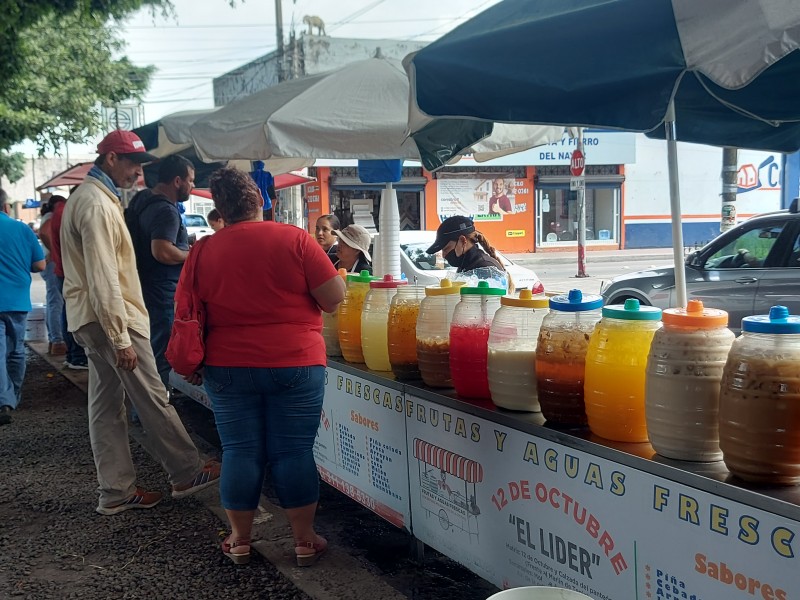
363	277
483	289
632	310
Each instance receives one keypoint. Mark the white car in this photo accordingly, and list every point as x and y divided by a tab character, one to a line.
197	225
430	269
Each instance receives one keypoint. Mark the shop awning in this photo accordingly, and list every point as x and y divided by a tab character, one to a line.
449	462
72	176
284	180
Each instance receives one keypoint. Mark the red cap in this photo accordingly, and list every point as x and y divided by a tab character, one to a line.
126	143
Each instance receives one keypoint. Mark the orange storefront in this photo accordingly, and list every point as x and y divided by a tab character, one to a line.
457	191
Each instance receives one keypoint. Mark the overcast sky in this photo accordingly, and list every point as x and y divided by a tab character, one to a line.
209	37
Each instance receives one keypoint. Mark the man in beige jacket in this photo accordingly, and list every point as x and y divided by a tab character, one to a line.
106	313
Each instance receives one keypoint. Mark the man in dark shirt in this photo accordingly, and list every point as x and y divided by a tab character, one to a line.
161	244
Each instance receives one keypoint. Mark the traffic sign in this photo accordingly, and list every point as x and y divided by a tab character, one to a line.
577	183
577	163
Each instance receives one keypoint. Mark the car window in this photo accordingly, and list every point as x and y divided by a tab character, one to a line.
749	250
794	257
195	221
416	252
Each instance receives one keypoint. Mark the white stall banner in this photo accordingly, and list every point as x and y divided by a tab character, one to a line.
520	510
361	445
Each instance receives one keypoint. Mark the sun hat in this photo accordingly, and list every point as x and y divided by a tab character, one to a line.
127	144
450	230
356	237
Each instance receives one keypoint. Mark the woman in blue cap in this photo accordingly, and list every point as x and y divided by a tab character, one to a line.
463	246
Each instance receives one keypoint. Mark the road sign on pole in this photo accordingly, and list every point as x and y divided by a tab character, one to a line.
577	163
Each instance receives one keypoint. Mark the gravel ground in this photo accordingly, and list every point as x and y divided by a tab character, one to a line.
55	545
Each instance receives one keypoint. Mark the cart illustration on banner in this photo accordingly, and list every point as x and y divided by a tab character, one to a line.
441	473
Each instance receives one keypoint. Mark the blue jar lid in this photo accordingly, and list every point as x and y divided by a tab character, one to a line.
777	321
575	301
632	310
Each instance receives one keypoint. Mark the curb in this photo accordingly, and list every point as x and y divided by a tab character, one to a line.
572	258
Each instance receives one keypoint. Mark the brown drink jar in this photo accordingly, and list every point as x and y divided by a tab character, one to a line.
759	402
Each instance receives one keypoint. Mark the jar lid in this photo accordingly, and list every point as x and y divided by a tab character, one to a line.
632	310
387	282
695	315
482	289
526	300
444	288
575	301
777	321
363	277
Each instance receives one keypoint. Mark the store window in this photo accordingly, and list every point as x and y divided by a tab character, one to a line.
557	209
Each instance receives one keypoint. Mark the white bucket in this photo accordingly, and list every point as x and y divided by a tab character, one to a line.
538	593
35	328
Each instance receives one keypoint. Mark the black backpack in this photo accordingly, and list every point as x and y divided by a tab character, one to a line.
141	242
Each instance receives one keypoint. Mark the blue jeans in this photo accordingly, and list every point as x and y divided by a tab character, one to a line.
76	355
265	416
161	318
12	355
55	304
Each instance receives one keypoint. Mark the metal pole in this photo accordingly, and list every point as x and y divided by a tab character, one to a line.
279	34
581	216
675	207
730	159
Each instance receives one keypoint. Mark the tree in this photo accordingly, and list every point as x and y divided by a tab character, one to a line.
56	98
19	16
12	165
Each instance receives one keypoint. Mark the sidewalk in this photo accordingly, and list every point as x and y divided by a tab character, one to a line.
57	546
569	256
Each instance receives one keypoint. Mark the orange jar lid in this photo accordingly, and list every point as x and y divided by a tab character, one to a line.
695	315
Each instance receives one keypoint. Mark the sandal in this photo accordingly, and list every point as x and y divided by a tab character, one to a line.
239	558
306	558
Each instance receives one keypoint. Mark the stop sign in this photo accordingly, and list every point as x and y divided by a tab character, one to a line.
576	163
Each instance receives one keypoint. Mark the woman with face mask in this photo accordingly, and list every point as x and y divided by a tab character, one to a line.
464	247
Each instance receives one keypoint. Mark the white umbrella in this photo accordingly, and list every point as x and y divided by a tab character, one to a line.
357	112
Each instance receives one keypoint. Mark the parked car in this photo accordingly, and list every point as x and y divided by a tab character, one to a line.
197	225
744	271
430	269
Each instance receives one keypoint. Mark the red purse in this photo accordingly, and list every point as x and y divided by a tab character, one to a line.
186	348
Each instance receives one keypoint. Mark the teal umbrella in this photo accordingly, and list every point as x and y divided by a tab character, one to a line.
726	72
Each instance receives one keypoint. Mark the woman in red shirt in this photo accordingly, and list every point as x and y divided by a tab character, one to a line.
263	285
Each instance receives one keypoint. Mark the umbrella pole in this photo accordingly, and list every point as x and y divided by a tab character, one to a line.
675	206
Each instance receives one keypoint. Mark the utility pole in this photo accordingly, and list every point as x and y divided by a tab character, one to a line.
730	161
578	184
279	34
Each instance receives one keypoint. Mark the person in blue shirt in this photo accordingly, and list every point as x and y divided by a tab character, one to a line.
21	255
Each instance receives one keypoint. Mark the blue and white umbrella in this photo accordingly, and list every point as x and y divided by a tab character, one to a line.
726	72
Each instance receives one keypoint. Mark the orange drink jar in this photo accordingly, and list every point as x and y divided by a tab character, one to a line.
561	355
350	316
433	332
330	327
375	322
403	315
512	351
682	382
616	362
759	400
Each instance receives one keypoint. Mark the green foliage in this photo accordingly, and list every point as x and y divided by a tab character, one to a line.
18	17
12	165
66	78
